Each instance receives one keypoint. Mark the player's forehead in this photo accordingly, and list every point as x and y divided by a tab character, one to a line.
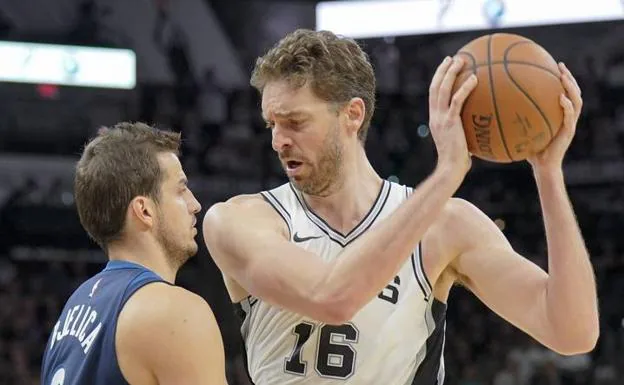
171	167
281	100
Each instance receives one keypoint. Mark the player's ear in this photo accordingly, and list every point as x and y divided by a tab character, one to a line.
355	111
143	210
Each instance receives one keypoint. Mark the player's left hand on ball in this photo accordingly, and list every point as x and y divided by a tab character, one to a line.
571	102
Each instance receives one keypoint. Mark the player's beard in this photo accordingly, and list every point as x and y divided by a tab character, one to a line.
325	175
177	253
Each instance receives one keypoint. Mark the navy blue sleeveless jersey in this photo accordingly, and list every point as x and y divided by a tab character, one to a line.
81	348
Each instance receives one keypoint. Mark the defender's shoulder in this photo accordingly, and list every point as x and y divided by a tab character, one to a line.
161	321
159	306
159	301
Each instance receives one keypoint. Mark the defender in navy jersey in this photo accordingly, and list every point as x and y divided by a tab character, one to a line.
342	277
129	324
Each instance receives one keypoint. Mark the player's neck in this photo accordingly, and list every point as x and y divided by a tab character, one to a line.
146	254
346	206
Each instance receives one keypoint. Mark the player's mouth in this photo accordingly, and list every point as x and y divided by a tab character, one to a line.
293	167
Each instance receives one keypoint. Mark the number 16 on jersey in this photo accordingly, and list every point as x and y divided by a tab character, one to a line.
335	353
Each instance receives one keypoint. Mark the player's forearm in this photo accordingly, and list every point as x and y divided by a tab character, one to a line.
365	267
571	289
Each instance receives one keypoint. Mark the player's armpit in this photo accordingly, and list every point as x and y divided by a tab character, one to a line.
168	335
512	286
249	242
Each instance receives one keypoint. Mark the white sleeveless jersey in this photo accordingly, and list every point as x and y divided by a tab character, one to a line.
396	339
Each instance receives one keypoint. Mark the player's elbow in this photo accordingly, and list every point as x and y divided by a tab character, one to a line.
580	342
336	311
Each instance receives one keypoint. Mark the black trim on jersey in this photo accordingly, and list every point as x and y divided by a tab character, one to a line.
243	315
422	288
240	313
376	215
425	286
288	224
429	368
337	236
280	204
358	225
338	241
422	267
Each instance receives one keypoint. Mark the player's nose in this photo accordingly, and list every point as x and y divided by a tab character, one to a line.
195	206
280	139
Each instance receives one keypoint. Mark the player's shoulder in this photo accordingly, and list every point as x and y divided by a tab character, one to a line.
455	210
237	203
251	207
161	320
159	306
458	217
461	210
462	223
160	301
245	200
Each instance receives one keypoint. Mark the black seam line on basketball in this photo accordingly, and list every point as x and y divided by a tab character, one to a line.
474	65
491	76
422	288
338	233
280	214
422	266
537	107
516	62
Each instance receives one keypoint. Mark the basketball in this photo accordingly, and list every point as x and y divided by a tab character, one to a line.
514	110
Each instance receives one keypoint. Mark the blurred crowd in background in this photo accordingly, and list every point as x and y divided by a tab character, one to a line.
45	255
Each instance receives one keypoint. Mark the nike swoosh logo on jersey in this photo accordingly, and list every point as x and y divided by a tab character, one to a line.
298	239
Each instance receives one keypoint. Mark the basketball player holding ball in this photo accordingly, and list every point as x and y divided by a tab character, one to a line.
343	277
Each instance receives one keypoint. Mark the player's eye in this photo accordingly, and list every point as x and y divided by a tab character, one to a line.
296	123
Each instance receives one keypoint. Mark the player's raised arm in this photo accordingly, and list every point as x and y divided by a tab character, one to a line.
558	308
167	335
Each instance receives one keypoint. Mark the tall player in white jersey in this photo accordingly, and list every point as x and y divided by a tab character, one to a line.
343	276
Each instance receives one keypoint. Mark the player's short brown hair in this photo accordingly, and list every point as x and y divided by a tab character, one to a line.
336	68
119	164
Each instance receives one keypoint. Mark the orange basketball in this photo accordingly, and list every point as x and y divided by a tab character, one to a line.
514	110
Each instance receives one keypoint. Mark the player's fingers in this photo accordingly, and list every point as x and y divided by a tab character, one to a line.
437	79
444	95
573	93
566	73
569	116
460	96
